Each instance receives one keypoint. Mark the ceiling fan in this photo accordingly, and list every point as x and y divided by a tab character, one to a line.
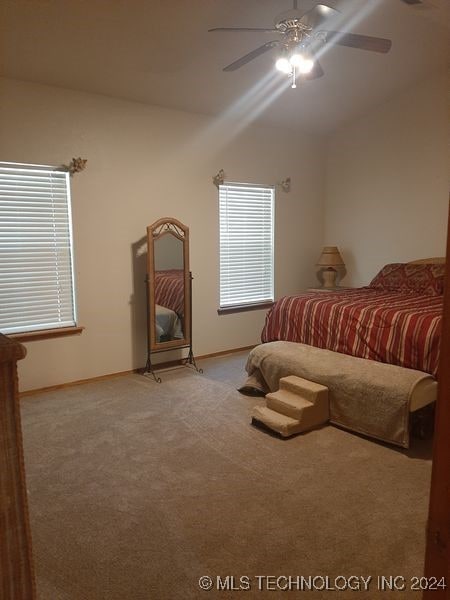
301	36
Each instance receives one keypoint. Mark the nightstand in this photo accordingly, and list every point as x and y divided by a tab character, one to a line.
333	289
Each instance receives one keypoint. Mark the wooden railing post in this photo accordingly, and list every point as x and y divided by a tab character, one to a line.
16	567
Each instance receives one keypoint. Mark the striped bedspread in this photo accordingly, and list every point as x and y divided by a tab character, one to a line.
391	327
169	290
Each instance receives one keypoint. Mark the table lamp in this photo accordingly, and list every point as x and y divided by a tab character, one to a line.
329	260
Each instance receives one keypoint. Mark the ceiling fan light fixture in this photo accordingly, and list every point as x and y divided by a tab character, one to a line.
283	65
296	59
303	62
306	66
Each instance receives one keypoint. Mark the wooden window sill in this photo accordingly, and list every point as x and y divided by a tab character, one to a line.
244	308
45	334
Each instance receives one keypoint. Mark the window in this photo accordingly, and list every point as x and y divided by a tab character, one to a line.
36	268
246	245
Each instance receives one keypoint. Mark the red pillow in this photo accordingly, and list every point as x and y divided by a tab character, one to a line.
425	279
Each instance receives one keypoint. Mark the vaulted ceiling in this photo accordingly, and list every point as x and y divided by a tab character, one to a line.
160	52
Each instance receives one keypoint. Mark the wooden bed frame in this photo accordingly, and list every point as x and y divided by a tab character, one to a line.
422	420
436	260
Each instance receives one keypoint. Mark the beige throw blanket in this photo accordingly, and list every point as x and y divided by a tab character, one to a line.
366	396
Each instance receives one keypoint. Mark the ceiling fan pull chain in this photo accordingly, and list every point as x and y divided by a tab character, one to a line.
294	77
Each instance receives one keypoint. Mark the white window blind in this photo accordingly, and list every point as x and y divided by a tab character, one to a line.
36	270
246	244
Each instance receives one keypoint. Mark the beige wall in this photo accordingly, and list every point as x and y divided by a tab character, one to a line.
145	163
388	182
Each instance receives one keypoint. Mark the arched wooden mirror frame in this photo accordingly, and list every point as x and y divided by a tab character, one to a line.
163	227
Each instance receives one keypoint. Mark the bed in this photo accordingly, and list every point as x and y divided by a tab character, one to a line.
386	332
395	320
169	290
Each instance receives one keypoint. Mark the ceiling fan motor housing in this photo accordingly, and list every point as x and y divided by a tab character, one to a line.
287	25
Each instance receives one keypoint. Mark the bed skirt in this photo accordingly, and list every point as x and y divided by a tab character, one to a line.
365	396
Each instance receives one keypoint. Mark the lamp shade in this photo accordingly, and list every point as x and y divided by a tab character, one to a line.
330	257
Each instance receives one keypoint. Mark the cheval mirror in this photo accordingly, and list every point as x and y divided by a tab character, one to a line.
169	291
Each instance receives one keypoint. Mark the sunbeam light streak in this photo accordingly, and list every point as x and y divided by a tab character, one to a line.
240	115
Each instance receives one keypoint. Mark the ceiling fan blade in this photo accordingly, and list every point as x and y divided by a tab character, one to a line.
318	15
243	29
316	72
354	40
424	5
251	55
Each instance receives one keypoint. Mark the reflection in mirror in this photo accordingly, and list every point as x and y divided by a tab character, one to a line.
169	288
168	251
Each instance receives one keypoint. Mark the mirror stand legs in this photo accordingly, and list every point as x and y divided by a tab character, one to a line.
191	361
187	362
149	369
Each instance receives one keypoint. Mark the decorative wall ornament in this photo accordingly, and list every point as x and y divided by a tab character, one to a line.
219	178
286	184
76	165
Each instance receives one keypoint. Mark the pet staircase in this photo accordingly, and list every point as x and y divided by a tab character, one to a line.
299	405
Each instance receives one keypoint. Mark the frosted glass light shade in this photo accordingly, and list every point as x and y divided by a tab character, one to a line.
283	65
306	66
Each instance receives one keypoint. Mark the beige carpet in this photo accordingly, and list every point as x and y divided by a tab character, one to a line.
139	489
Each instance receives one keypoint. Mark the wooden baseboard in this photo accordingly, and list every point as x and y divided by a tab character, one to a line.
51	388
159	366
225	352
